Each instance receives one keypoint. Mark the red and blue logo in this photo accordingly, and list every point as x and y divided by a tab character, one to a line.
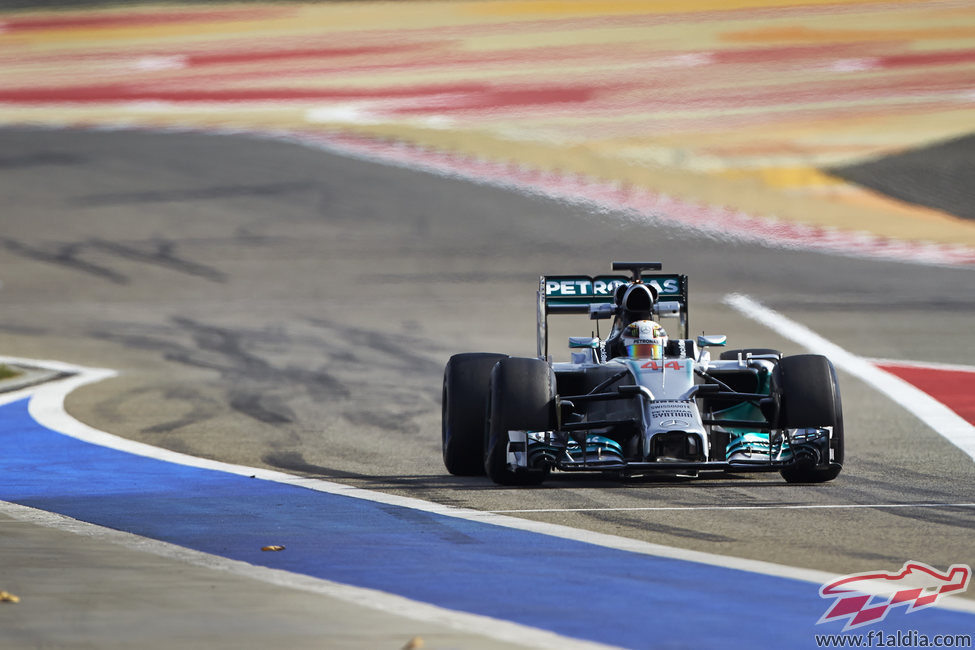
865	598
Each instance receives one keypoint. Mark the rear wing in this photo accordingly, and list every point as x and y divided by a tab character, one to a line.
574	294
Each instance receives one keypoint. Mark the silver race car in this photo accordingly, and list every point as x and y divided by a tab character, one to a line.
637	401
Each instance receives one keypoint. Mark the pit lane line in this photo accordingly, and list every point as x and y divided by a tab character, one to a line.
951	426
504	556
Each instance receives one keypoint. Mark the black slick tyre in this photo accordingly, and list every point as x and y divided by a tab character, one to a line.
522	398
465	391
810	397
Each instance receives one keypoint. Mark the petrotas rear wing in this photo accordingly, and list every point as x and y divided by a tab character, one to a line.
574	294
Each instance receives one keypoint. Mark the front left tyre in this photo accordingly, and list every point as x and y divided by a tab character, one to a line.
466	382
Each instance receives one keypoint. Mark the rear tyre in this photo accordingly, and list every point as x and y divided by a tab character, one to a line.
466	382
810	397
733	354
522	398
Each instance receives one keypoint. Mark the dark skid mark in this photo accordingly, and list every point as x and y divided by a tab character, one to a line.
28	330
223	341
868	554
157	252
904	487
201	194
399	348
962	518
294	461
262	407
172	425
40	159
430	523
185	406
199	411
401	422
487	276
637	523
162	253
65	255
226	351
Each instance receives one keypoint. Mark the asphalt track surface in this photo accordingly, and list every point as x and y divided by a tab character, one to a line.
937	176
277	306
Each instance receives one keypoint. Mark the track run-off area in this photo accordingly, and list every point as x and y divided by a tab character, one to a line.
248	297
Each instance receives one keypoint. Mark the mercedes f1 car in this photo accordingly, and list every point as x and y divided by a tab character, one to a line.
638	402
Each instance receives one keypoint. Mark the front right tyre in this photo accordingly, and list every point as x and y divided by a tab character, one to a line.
810	398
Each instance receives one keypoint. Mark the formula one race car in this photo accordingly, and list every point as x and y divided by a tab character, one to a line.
638	402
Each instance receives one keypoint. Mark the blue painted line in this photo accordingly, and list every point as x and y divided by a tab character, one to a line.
565	586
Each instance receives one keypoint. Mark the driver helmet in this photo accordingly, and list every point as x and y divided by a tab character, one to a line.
644	339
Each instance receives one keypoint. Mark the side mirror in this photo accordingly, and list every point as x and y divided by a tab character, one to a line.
667	309
601	311
583	343
711	339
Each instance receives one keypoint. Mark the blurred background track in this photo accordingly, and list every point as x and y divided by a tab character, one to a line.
779	109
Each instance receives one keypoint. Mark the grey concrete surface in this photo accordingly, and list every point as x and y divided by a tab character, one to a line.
276	306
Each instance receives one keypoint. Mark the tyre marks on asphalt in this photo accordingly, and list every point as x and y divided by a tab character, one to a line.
77	256
67	255
258	386
264	374
214	193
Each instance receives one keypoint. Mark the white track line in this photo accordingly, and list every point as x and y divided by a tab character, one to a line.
936	415
810	506
47	407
